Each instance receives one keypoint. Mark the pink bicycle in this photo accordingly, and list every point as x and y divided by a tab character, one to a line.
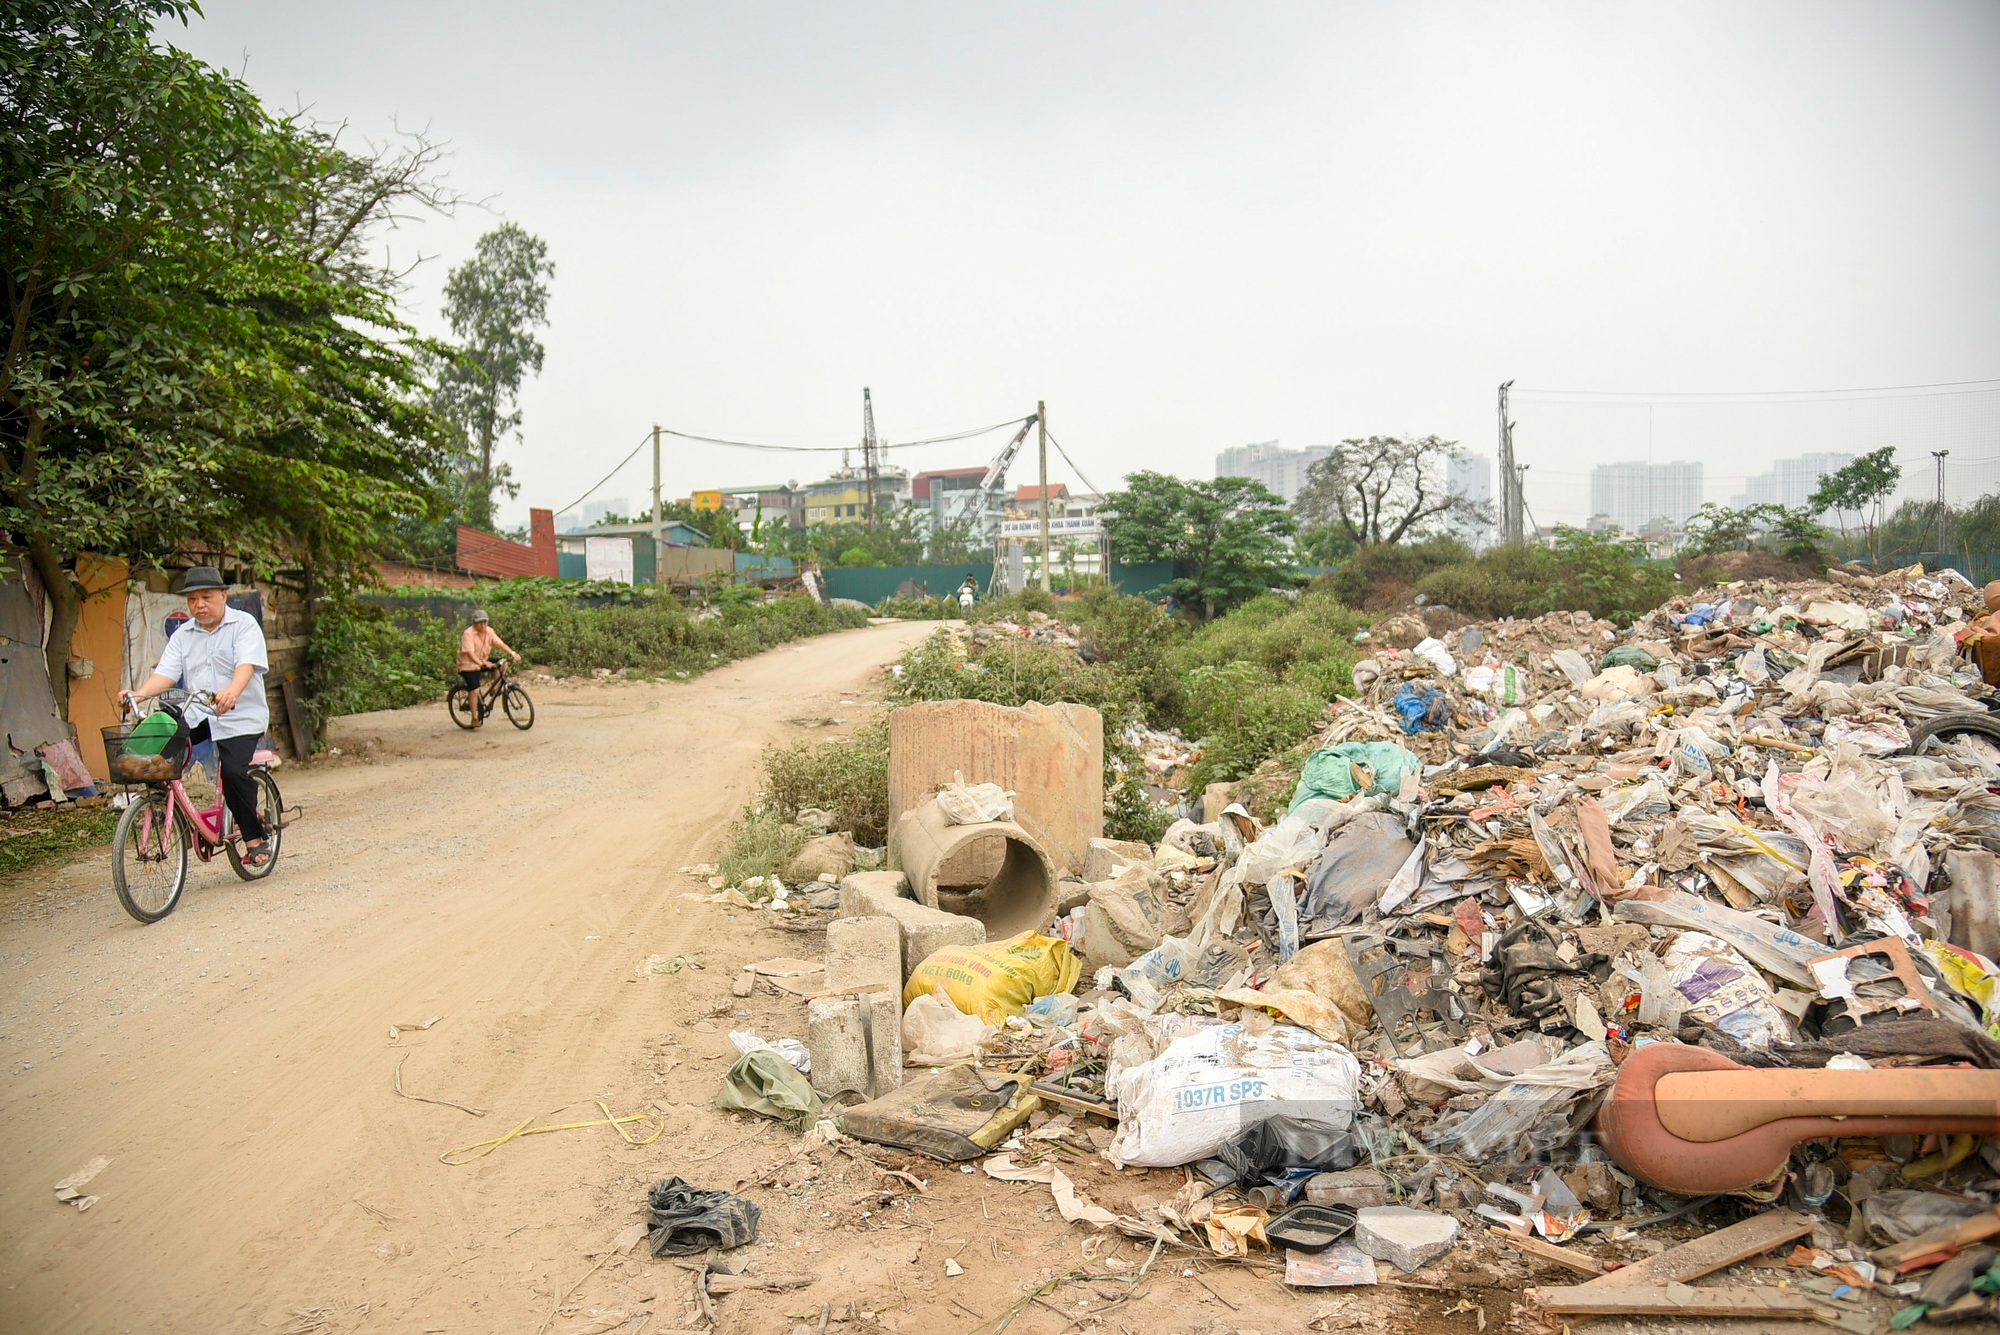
149	853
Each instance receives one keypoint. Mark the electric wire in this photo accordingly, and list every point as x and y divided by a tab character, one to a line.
1073	465
1983	387
608	476
837	449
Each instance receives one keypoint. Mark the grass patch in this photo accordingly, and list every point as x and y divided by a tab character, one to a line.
37	835
759	845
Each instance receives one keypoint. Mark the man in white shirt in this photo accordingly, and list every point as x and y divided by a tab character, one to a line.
222	651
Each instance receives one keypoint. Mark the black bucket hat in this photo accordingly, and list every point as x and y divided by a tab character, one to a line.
202	577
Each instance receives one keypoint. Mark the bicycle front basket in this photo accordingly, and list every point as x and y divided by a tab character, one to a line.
153	750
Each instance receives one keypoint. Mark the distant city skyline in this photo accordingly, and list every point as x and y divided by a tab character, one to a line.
1266	461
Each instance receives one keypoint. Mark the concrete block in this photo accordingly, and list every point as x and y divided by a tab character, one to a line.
860	890
837	1038
1071	894
864	950
885	1040
1356	1188
923	930
1410	1238
1104	856
1050	756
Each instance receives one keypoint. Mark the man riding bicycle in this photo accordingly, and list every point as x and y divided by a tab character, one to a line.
221	650
475	653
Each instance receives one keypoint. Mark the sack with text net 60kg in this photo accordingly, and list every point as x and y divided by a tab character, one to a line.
998	979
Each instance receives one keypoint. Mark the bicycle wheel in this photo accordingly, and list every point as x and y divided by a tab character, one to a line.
149	857
271	810
460	704
520	709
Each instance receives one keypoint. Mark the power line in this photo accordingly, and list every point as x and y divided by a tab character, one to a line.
1073	464
1986	387
836	449
643	442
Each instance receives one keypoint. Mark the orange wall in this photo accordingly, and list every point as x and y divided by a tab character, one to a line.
100	637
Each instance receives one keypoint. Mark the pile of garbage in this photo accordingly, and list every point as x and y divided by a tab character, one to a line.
1035	627
1567	930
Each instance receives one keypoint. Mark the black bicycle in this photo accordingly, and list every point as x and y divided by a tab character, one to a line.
501	690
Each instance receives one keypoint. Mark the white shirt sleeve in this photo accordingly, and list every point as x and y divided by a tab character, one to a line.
250	644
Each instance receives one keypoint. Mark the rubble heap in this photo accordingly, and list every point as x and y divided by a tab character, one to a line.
1555	910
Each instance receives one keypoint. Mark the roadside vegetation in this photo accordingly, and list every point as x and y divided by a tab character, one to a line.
398	651
36	835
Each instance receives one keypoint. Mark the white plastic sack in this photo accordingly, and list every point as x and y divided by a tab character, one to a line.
1294	841
975	803
1432	651
937	1033
1210	1081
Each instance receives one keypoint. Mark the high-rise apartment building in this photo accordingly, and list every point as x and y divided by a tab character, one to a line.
1791	481
1280	469
1635	494
1471	477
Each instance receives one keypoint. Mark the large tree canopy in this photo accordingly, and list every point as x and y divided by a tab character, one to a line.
1227	535
494	301
199	348
1382	489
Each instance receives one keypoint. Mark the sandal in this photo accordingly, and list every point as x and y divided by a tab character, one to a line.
256	855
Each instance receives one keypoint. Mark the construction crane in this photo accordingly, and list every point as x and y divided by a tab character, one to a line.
989	485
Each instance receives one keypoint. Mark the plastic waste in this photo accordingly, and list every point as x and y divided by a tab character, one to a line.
1211	1081
975	803
1055	1011
1722	990
682	1220
936	1032
1342	771
1432	651
793	1051
1574	666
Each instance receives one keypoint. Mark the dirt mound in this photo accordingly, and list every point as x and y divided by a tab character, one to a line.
1722	567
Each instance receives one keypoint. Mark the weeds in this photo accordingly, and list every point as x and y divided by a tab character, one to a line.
35	835
760	845
847	777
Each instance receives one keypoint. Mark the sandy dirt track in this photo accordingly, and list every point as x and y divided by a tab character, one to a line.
235	1063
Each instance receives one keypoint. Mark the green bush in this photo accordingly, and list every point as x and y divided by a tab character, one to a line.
848	777
1606	576
917	609
1382	575
363	660
1501	583
367	656
1243	713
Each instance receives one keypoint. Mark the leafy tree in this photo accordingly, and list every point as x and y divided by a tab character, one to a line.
1861	485
1228	535
1721	528
1326	545
1381	489
494	302
198	346
1799	533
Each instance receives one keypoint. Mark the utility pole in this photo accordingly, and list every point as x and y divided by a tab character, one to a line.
1042	435
868	450
1939	456
658	528
1510	483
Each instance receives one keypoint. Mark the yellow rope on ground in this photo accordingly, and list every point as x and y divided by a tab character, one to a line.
464	1154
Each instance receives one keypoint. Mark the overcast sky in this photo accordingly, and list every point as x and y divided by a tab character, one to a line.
1193	226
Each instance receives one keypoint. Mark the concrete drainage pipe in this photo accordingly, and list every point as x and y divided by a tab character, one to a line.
1015	889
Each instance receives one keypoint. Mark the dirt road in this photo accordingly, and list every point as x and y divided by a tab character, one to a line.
235	1064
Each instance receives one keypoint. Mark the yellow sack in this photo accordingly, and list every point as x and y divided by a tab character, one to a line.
998	979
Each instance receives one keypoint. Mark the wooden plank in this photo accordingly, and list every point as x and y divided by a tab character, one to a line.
1073	1100
295	717
1673	1300
1705	1255
1548	1251
1945	1239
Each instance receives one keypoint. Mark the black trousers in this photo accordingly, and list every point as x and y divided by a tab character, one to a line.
239	789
